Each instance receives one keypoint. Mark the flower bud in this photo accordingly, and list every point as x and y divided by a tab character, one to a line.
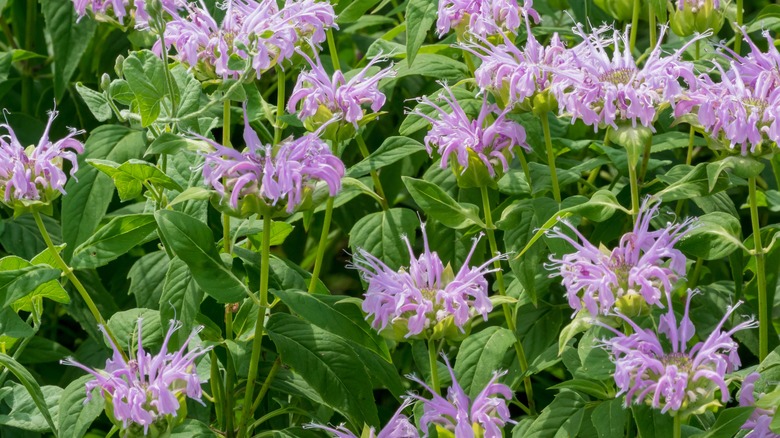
621	10
696	16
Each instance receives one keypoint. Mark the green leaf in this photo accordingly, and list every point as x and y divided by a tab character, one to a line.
76	415
345	320
380	234
5	65
728	423
192	241
131	176
433	66
69	40
21	236
92	188
328	364
744	167
147	276
96	102
51	289
392	150
24	413
17	283
124	326
436	203
32	387
119	236
145	73
181	296
651	422
480	355
12	326
714	236
592	388
562	417
192	429
600	207
168	143
420	15
687	182
609	418
351	11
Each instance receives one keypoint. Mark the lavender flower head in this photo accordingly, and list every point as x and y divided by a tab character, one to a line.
759	421
315	90
461	415
148	390
743	109
644	264
419	298
34	174
258	32
273	174
607	90
683	380
489	137
483	17
514	74
399	426
119	7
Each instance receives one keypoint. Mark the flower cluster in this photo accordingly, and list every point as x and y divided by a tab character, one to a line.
35	173
399	426
147	391
258	32
119	7
274	174
604	90
517	74
644	264
483	17
342	98
759	422
744	107
459	414
426	294
489	137
683	380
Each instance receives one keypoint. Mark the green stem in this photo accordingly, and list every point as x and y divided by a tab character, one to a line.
738	35
226	143
315	275
374	175
694	280
677	426
267	384
645	158
169	83
652	26
21	346
433	352
763	310
526	170
74	280
510	322
216	389
551	158
280	99
229	373
334	54
691	139
254	362
634	25
634	182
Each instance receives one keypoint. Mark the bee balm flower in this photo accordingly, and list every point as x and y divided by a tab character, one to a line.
147	392
398	427
34	174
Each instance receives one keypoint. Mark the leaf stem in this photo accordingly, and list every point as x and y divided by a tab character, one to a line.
280	99
510	322
257	343
226	143
634	25
634	182
229	373
433	352
551	157
763	310
267	384
738	35
677	426
334	54
374	175
321	245
652	26
216	389
75	281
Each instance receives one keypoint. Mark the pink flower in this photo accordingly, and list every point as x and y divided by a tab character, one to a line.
398	427
423	294
484	17
645	263
491	136
460	414
29	174
343	98
144	389
682	379
759	422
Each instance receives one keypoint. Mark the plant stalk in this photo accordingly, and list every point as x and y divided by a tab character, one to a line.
267	384
510	322
433	352
634	182
226	143
634	25
374	175
229	373
740	19
763	308
75	281
265	256
677	426
315	275
280	99
551	158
